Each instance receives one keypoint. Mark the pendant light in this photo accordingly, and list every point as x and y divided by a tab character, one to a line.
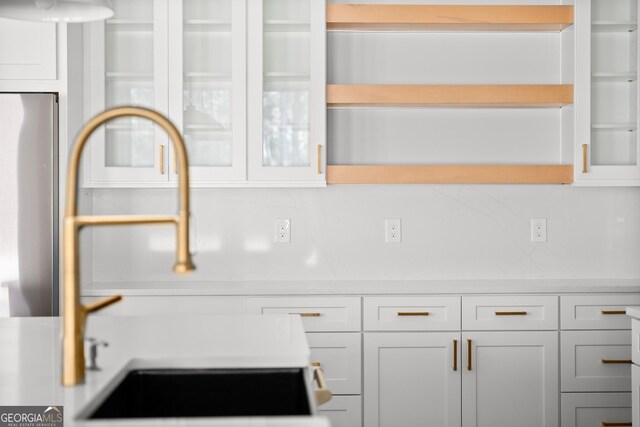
64	11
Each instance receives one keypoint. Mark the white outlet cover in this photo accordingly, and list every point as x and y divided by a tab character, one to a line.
282	230
538	229
393	231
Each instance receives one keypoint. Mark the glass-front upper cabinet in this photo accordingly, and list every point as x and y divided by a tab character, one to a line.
126	58
286	62
208	86
607	73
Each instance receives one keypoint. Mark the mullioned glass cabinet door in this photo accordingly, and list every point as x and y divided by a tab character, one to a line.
607	143
207	86
126	58
286	90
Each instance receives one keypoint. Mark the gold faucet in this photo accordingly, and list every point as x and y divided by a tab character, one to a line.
75	314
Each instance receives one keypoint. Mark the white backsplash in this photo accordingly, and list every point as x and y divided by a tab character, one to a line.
448	232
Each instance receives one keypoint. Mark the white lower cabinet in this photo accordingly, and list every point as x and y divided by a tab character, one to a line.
343	411
339	355
635	395
412	379
596	409
510	379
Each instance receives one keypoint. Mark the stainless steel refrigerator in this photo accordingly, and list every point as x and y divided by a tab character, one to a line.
28	204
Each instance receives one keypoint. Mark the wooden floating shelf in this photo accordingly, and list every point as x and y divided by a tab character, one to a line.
450	174
450	95
416	17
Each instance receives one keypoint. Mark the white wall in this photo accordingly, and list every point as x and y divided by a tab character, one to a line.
461	232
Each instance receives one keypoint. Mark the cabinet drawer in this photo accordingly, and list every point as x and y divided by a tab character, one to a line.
339	355
155	305
520	312
596	409
411	313
343	411
319	314
596	360
596	311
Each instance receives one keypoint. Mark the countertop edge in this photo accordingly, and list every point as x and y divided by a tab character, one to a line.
363	287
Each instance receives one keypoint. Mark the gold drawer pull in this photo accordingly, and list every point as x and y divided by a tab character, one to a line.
307	314
616	361
315	363
511	313
469	366
319	159
455	355
614	424
413	313
607	312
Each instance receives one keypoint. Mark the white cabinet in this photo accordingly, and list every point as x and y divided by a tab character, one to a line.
412	379
343	411
27	51
596	409
635	395
189	59
339	356
126	58
286	62
510	379
607	93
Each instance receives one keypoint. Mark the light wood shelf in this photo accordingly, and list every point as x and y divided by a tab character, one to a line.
416	17
450	95
450	174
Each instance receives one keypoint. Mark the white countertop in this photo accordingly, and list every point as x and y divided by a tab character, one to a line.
365	287
31	357
633	312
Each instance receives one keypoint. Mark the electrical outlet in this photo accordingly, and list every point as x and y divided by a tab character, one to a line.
393	230
538	229
283	230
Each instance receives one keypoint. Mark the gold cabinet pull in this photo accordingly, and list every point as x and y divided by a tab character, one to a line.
161	162
585	158
616	361
319	159
455	355
608	312
323	394
413	313
175	163
315	364
511	313
615	424
469	365
307	314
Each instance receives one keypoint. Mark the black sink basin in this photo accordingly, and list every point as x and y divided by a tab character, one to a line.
169	393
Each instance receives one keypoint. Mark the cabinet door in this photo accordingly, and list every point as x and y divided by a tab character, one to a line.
412	379
286	90
607	92
28	50
343	411
207	86
510	379
126	59
635	395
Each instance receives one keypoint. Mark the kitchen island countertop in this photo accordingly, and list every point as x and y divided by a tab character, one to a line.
31	358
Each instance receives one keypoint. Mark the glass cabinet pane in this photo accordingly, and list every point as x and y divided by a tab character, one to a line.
129	80
614	87
207	88
286	83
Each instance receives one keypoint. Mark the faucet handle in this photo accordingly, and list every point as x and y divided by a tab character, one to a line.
98	305
93	345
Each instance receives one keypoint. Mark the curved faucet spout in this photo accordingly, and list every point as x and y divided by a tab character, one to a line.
75	313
